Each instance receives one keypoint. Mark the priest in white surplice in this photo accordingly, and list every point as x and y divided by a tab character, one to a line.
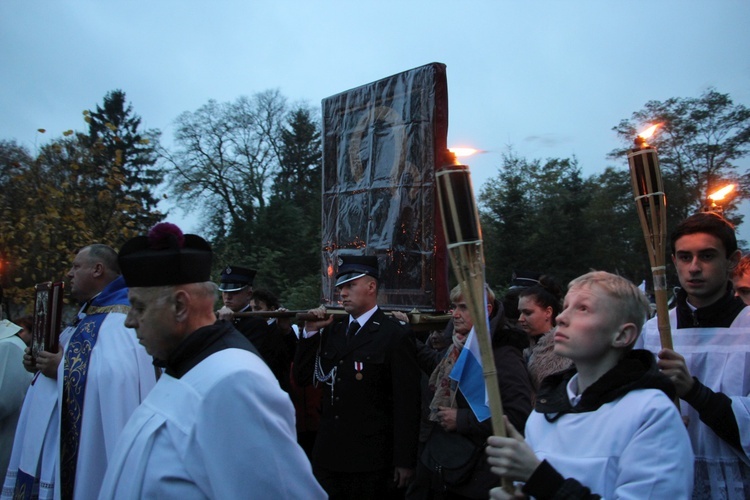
217	424
102	376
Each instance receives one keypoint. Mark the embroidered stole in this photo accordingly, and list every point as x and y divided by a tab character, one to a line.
25	487
76	367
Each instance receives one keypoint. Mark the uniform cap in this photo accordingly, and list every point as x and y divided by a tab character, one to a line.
352	267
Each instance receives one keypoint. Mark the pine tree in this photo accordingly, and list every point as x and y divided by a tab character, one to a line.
118	143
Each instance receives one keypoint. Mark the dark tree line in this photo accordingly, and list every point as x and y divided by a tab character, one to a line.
546	217
77	189
254	168
251	169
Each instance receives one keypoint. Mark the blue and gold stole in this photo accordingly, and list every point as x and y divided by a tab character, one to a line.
76	359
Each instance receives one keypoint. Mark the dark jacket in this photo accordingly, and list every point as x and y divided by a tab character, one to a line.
201	344
370	415
637	370
270	345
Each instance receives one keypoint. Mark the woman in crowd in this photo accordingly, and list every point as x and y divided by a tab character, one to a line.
538	306
452	461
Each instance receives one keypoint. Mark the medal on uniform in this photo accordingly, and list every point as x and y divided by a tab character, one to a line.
358	365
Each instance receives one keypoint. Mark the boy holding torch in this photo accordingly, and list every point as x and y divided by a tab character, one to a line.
607	426
708	364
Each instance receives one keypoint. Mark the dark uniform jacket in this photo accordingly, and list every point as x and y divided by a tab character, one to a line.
272	347
370	412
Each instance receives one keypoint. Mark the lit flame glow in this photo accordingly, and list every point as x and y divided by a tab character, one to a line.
721	193
646	134
461	152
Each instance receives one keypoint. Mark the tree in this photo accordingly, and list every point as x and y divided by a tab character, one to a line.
532	218
299	177
61	201
616	242
504	217
116	142
700	144
288	227
226	154
561	234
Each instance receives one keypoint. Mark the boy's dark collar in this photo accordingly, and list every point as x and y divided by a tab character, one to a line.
719	314
636	370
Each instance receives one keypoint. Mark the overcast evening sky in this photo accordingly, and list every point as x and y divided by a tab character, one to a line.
550	78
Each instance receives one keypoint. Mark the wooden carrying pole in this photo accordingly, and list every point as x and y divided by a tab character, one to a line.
416	318
464	239
651	203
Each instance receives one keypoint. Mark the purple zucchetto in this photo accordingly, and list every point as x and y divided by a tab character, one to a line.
165	257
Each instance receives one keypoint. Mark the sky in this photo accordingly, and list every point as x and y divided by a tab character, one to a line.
548	78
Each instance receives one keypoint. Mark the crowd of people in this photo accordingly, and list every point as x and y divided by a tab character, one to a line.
155	392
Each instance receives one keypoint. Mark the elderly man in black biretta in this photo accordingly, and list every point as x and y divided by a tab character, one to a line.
366	365
211	371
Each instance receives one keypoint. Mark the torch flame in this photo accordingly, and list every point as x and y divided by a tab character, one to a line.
646	134
460	151
721	193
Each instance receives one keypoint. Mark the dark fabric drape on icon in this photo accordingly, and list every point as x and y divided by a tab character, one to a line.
382	143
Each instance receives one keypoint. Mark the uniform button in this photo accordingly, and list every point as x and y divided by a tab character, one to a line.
341	362
336	417
337	398
542	400
338	379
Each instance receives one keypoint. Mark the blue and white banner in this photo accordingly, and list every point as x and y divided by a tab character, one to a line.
468	373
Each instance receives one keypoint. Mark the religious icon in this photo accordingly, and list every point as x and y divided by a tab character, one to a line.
47	318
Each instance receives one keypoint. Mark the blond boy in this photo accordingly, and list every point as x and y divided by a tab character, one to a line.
608	425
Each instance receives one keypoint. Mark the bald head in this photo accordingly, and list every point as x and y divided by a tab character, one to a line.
93	268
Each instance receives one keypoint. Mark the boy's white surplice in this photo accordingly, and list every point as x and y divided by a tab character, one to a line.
634	447
720	359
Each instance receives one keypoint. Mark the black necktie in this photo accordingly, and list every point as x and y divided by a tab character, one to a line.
352	330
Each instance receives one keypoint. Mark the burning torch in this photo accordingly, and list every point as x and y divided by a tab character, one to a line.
463	235
651	203
716	197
